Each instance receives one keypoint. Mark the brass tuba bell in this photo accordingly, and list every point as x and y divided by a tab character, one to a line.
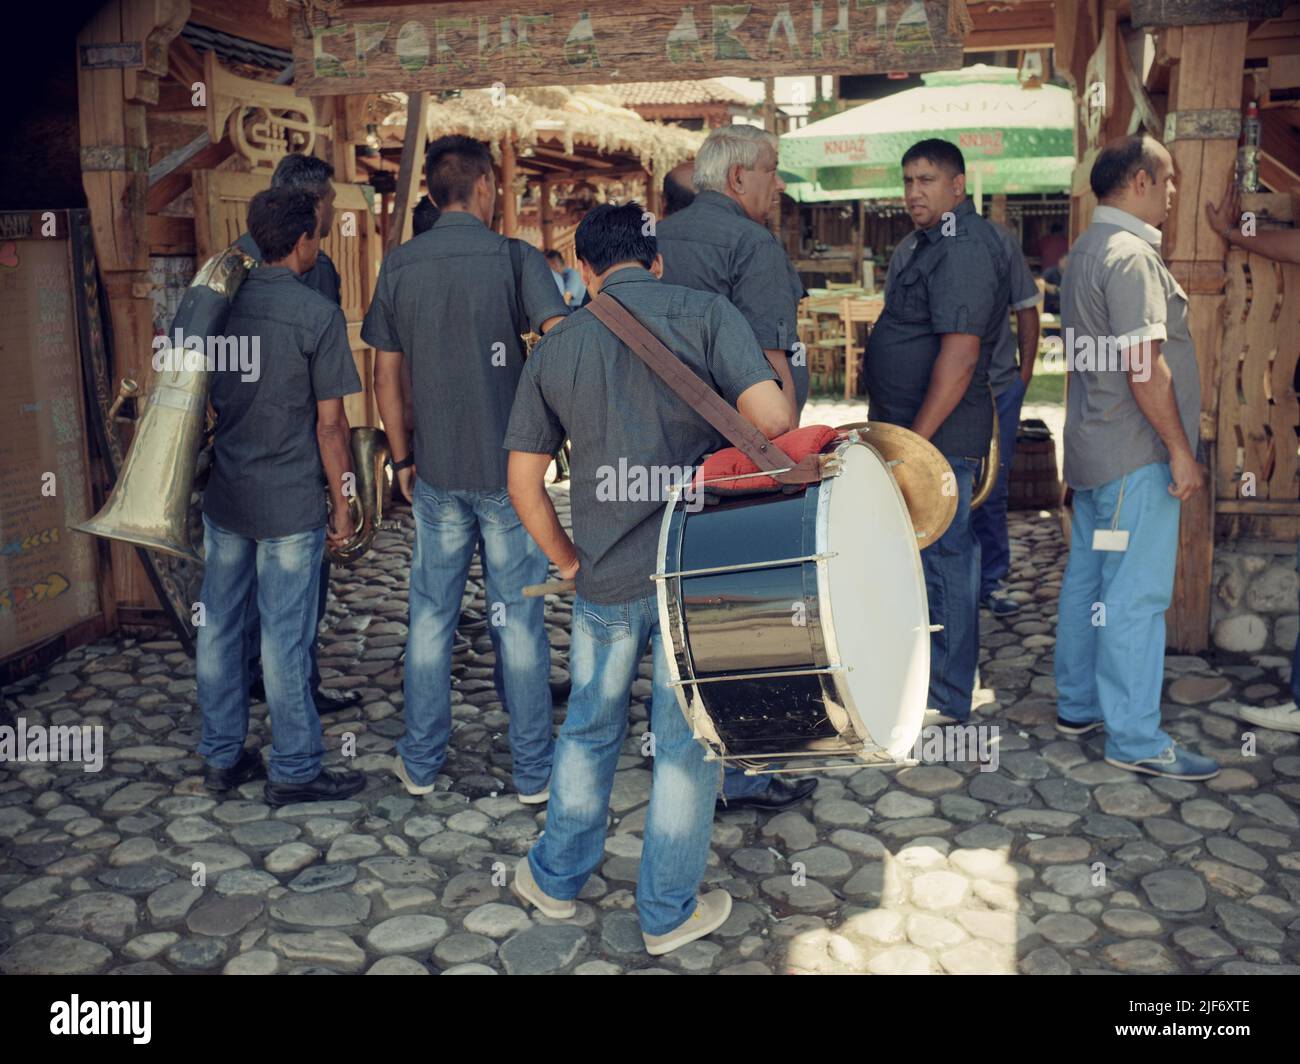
370	463
150	502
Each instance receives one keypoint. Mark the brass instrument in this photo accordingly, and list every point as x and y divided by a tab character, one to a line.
374	481
150	503
989	468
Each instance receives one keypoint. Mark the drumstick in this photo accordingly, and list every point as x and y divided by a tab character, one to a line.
551	587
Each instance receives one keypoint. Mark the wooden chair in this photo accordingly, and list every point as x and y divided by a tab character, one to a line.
855	312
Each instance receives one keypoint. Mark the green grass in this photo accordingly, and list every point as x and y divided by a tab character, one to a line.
1046	388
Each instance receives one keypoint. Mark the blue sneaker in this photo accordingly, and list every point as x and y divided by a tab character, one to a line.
1173	764
1000	604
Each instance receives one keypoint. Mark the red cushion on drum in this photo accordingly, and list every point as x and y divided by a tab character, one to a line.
731	461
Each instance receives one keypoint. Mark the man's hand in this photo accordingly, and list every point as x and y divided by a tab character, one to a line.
340	528
406	482
1188	475
568	572
1224	217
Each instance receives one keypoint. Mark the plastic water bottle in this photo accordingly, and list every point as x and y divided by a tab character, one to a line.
1248	153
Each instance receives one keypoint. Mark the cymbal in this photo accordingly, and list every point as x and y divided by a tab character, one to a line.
923	475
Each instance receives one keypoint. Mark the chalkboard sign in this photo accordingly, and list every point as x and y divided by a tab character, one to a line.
48	574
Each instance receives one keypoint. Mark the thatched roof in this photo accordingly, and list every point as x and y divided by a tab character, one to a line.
585	122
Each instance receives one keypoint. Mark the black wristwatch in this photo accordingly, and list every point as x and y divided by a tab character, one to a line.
405	463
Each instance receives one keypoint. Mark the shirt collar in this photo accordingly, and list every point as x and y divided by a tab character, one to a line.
936	231
274	273
717	199
457	218
628	273
1104	215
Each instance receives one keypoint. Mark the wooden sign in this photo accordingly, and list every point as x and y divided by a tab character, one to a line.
48	574
430	47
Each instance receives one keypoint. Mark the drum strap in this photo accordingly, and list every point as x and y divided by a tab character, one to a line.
701	398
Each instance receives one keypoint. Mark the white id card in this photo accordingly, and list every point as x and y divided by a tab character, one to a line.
1115	539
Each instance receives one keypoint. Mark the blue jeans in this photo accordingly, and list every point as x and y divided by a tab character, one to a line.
952	579
286	573
1110	633
990	520
447	529
1295	654
608	642
254	633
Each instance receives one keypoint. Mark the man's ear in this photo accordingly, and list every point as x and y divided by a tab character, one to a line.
734	181
587	273
657	267
959	184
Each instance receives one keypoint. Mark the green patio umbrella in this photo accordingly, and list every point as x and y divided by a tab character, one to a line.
1014	139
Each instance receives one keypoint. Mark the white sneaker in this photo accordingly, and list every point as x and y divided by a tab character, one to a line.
525	888
539	798
711	912
399	769
1285	717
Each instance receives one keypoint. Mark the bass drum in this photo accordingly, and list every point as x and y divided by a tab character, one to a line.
798	623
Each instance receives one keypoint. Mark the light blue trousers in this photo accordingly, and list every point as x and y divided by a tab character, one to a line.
1110	633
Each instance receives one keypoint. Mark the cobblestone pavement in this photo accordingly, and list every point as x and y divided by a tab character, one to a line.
1053	863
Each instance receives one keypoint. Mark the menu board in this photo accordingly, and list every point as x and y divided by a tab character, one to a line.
48	573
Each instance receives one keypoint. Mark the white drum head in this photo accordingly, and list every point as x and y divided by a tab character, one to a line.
873	601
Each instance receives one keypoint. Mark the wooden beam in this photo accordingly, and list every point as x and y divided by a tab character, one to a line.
509	206
1144	111
408	177
176	180
1207	78
547	216
171	235
250	19
184	64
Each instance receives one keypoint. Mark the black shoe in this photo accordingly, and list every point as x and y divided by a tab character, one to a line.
1084	727
780	793
248	767
331	699
328	786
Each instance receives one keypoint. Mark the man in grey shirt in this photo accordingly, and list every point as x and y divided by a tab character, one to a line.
312	175
1131	433
927	369
625	422
281	441
721	243
454	300
1008	380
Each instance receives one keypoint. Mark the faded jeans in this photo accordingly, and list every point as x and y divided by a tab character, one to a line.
286	572
447	529
608	643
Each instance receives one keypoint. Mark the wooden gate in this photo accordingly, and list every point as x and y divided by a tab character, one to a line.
220	217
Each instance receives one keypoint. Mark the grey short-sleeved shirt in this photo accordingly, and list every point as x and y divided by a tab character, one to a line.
1116	294
948	284
713	246
629	430
322	277
1005	363
446	299
267	479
